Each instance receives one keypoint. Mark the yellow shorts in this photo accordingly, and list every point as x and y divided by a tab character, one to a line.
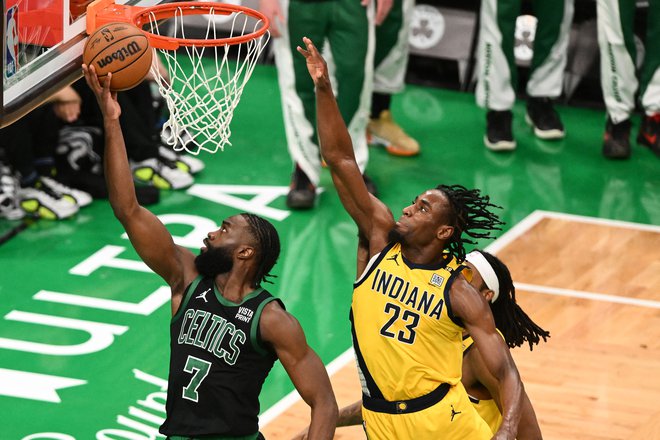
453	417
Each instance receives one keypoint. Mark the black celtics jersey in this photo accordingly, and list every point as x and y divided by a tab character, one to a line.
218	363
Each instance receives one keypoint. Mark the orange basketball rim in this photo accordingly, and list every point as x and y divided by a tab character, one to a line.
202	83
101	12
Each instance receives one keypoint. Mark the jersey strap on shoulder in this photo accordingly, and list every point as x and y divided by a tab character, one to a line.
255	335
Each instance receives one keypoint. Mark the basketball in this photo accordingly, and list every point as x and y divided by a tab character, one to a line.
121	49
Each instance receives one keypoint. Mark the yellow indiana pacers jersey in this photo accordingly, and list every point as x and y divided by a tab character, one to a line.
487	408
406	339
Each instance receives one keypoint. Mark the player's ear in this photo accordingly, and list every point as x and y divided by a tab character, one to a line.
245	252
444	232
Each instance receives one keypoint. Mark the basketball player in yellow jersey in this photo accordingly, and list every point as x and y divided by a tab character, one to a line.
411	305
490	276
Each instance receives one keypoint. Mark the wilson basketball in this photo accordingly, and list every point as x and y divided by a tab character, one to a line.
123	50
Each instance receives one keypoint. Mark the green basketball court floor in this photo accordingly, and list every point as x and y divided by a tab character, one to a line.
84	332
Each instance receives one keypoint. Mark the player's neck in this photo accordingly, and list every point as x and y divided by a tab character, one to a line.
422	255
234	285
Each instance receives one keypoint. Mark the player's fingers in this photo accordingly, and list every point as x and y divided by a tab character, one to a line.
91	78
302	51
310	47
106	82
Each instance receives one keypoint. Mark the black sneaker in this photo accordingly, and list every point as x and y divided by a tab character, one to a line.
371	186
302	193
542	116
499	136
649	133
616	141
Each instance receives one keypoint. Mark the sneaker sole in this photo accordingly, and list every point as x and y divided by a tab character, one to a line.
546	135
390	148
499	145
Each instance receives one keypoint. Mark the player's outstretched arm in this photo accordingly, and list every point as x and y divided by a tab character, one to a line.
473	310
350	415
148	235
372	217
528	428
304	367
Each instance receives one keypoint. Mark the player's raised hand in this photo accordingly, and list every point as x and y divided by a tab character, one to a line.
316	65
107	100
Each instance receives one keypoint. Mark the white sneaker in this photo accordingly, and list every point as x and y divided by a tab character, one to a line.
75	196
41	201
9	207
184	162
158	173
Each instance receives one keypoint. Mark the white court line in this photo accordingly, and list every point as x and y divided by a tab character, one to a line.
531	220
290	399
588	295
500	243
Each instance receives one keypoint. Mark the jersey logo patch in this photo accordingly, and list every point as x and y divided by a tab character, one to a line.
436	280
244	314
203	295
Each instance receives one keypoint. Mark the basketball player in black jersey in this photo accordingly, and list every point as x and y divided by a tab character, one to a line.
430	233
226	331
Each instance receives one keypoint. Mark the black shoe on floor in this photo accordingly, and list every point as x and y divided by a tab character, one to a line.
616	141
499	136
302	192
544	119
371	186
649	133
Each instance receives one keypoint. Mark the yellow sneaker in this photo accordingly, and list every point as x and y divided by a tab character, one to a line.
386	132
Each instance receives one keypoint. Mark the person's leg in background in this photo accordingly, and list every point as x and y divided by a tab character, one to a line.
496	71
36	196
390	65
351	39
138	122
548	64
317	20
297	94
649	130
617	72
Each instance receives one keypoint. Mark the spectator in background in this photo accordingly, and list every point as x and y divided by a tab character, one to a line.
347	26
152	163
496	69
390	64
619	79
29	148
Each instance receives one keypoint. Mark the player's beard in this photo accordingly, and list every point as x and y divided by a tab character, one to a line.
395	236
214	261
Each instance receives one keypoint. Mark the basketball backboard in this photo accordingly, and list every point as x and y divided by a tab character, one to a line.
42	44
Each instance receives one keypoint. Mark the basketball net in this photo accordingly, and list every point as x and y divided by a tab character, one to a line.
204	83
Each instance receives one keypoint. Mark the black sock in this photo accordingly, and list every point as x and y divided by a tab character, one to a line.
379	102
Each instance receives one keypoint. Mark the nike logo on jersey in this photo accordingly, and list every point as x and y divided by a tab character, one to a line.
203	295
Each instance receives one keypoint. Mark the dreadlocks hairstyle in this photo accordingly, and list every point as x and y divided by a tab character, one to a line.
510	319
469	212
269	246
